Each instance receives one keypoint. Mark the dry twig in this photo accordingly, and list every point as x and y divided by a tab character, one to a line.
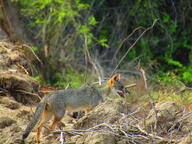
94	64
25	45
29	93
148	92
116	52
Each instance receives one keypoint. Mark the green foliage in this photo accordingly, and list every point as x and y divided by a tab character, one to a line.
103	42
72	77
103	25
168	78
186	75
175	77
181	98
84	29
51	17
132	54
186	97
172	28
92	21
174	63
166	18
166	43
155	95
60	23
34	48
39	79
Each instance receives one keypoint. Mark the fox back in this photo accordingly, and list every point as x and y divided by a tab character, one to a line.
82	98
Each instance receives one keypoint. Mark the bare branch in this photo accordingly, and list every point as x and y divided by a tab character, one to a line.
147	29
116	52
149	94
88	57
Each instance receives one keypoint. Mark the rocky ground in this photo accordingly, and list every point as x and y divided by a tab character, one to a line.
112	122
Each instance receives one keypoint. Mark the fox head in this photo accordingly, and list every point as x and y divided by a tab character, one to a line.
117	85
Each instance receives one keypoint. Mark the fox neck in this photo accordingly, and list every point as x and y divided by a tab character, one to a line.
105	90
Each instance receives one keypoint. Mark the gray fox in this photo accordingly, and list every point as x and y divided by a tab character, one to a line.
84	98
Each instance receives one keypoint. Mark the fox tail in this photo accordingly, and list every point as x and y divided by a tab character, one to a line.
36	118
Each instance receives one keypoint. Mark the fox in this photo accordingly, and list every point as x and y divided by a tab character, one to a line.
58	102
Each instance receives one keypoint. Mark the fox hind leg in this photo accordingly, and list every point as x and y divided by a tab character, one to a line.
55	122
59	112
46	116
57	117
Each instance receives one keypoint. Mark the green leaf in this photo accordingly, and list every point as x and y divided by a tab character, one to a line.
34	48
143	43
92	21
166	18
174	62
39	21
186	45
82	6
62	14
172	28
84	29
132	54
103	42
38	78
187	76
155	95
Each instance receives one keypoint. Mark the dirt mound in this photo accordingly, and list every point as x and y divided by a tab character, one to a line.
9	123
167	113
112	122
107	112
20	86
9	103
170	118
117	122
14	78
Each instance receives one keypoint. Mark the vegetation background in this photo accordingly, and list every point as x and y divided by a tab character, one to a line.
75	39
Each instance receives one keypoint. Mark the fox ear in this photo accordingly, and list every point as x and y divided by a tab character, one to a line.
111	81
116	77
